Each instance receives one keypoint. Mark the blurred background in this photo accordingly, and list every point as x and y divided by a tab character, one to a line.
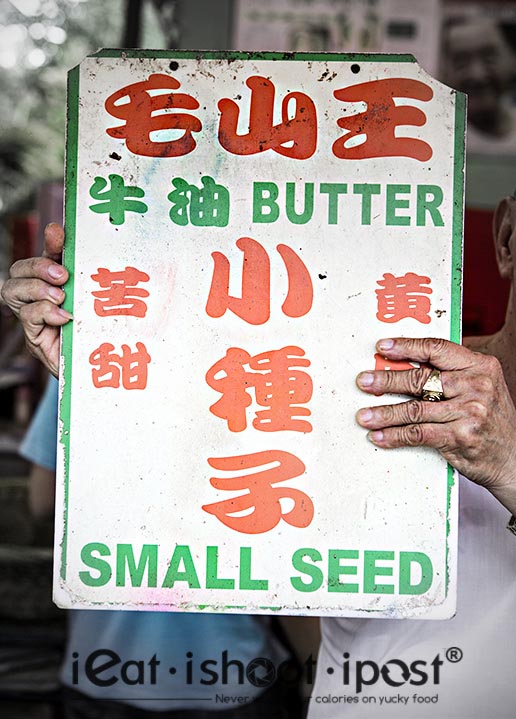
471	46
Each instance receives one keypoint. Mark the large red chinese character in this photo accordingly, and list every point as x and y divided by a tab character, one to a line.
379	123
120	296
295	136
130	366
403	297
277	386
145	113
254	305
260	494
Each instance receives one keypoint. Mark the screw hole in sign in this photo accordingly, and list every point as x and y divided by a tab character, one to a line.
355	68
174	65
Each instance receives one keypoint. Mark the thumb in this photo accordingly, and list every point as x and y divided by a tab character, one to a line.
53	241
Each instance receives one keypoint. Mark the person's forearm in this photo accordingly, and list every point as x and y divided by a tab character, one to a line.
41	492
507	496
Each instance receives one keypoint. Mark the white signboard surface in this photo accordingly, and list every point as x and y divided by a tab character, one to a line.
240	230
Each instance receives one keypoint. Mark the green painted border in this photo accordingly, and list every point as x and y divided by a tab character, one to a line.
70	212
456	274
458	217
230	56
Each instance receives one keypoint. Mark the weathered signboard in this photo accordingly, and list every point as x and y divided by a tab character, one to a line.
240	230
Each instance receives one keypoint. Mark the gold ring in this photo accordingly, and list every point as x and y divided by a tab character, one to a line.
433	388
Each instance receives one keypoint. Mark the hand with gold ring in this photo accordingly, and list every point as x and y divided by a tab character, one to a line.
433	388
473	423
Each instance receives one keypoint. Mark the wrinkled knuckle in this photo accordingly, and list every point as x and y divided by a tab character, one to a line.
387	415
15	267
417	379
25	313
483	385
466	435
37	266
389	379
413	435
434	345
492	365
495	371
30	267
478	411
414	411
31	312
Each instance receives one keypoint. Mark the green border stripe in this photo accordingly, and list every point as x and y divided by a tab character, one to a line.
230	55
458	216
72	131
456	274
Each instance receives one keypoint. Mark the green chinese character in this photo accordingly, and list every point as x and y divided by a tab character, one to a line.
202	207
180	201
115	199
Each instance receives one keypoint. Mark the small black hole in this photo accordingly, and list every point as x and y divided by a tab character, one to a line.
355	68
174	65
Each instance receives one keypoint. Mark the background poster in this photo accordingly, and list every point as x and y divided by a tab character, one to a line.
479	58
398	26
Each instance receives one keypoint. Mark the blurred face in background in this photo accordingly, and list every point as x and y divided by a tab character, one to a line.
478	61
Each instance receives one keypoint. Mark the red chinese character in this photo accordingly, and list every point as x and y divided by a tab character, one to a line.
254	305
120	296
145	113
379	123
403	297
295	136
260	494
130	366
388	364
277	386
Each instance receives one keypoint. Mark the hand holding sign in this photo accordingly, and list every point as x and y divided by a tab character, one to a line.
34	294
473	428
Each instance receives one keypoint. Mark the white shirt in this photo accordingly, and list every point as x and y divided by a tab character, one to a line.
482	685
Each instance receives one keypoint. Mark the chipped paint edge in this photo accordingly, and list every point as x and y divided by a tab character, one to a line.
70	213
456	299
230	56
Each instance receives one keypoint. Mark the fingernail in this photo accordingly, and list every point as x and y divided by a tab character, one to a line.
364	415
55	271
56	293
385	344
365	379
375	437
64	313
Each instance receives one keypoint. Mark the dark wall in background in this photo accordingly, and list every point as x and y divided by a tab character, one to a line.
485	293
